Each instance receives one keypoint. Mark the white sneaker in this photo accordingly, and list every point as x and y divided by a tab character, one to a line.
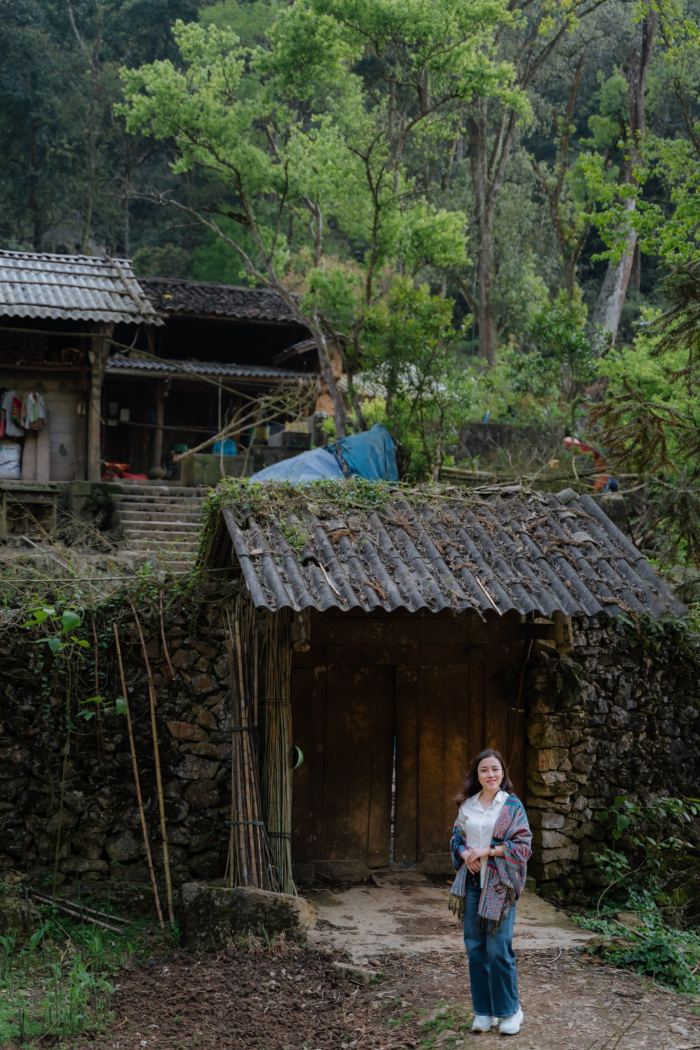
483	1023
511	1025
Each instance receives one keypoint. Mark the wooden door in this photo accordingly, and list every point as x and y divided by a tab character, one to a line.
343	721
388	729
444	715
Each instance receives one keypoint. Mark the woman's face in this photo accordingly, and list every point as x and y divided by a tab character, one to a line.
490	773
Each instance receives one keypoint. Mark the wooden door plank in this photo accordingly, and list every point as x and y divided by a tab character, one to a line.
406	816
382	741
431	752
308	727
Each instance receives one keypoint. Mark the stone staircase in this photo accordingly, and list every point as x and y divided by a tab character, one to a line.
162	521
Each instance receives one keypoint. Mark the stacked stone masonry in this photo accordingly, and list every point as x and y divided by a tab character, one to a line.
619	714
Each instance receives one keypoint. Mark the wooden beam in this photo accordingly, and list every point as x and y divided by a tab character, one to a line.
99	349
161	395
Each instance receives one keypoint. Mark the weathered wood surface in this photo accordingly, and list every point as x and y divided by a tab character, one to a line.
369	685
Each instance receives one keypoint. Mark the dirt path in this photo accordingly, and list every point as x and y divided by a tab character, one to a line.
298	998
299	1001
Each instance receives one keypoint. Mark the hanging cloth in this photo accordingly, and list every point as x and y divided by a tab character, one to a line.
33	412
12	411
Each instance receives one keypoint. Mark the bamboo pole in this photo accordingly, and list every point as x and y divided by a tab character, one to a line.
166	651
156	760
137	778
277	769
250	860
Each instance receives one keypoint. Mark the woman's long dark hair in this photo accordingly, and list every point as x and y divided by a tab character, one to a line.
472	785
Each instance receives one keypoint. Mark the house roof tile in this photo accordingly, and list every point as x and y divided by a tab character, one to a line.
72	288
434	550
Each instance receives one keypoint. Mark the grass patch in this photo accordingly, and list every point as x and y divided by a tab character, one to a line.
57	983
443	1019
653	948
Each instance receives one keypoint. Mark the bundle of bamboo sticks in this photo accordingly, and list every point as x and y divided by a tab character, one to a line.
277	766
249	859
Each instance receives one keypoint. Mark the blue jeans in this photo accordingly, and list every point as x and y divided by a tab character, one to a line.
492	973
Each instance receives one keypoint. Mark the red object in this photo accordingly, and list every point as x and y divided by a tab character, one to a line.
601	479
111	470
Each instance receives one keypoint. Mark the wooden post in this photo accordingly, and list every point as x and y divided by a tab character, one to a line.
161	394
99	350
563	632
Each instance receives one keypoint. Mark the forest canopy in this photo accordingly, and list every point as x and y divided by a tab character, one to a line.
488	208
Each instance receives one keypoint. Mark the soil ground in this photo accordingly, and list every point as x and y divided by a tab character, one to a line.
292	998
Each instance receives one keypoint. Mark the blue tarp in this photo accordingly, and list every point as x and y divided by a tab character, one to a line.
370	455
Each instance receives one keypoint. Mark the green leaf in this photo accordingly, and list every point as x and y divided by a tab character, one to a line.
55	644
120	706
70	619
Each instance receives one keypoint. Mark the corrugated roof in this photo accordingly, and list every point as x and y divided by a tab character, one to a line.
204	299
134	365
72	288
529	553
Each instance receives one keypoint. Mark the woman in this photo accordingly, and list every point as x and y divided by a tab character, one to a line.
490	849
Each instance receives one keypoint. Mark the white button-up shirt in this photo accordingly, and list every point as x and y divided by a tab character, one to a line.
477	823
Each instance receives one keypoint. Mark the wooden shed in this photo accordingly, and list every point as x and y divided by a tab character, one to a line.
411	616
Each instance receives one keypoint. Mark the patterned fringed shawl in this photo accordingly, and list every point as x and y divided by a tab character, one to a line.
505	876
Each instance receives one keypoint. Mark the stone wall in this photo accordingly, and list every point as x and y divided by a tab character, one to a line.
82	783
619	714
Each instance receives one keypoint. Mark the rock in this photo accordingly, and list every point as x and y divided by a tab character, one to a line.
124	847
176	810
631	919
18	917
205	649
183	658
186	731
553	839
205	718
208	865
204	795
543	819
551	757
213	917
211	750
204	683
194	768
85	866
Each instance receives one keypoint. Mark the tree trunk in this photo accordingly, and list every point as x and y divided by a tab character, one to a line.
485	195
611	299
486	271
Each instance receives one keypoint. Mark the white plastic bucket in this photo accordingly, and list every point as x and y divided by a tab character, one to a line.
10	460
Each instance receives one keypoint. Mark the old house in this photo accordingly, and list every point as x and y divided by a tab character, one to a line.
58	314
388	635
219	347
429	625
124	375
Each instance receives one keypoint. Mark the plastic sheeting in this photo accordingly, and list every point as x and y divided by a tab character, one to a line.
370	455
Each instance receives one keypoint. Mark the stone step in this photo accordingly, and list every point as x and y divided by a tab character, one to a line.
159	501
155	536
133	488
170	547
137	523
190	506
